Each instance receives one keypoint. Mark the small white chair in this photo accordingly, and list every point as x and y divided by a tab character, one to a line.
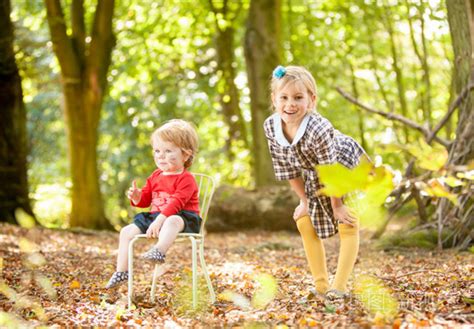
206	187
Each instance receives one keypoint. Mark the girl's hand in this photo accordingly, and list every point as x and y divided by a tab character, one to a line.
344	215
155	227
301	210
134	193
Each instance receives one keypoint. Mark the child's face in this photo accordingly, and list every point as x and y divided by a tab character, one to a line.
292	102
168	157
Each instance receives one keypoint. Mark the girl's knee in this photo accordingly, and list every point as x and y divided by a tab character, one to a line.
346	229
175	222
306	228
128	232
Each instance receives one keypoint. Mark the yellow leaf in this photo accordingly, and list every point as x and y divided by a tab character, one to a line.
436	188
467	175
118	315
283	316
266	291
46	285
281	326
8	320
368	204
429	157
453	181
75	284
375	297
237	299
25	220
36	259
470	165
8	292
27	246
339	180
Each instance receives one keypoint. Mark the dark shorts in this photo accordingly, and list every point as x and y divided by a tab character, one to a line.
192	221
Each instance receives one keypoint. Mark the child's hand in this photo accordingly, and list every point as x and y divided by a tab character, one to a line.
134	193
344	215
155	227
301	210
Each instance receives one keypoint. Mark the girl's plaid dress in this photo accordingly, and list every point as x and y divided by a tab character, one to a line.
316	142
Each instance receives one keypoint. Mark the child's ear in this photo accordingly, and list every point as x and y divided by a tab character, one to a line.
313	101
273	100
187	154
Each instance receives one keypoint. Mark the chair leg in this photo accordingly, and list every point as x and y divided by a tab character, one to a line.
153	283
206	274
194	260
130	271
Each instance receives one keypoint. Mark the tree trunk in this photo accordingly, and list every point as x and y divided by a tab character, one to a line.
462	151
397	69
84	69
228	92
262	45
13	139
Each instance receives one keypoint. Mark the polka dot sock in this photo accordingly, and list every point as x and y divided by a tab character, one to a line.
154	255
117	279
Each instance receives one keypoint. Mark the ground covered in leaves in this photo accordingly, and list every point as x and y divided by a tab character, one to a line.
53	277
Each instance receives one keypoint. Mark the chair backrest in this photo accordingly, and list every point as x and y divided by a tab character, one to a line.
206	186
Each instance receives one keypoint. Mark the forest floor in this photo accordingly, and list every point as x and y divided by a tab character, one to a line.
53	277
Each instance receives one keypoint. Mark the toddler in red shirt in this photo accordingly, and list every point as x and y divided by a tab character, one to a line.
171	193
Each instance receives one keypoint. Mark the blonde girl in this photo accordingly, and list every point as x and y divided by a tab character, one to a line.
299	138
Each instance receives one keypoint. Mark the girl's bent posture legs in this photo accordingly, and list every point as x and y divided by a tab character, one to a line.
349	248
315	253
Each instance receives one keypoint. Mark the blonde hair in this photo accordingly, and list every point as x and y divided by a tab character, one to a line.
182	134
293	74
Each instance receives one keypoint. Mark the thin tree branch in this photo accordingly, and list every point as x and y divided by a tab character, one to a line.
393	117
454	105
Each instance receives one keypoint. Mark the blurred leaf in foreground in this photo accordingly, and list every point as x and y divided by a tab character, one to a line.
25	220
339	180
266	291
376	298
238	299
365	189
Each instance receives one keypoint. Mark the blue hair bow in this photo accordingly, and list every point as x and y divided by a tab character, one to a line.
279	72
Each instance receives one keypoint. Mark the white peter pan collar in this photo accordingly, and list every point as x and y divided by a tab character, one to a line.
280	137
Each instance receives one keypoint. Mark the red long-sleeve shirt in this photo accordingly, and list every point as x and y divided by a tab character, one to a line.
169	194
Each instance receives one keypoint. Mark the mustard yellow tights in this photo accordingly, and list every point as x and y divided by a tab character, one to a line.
316	255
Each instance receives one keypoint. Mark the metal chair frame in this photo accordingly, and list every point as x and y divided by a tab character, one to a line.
206	186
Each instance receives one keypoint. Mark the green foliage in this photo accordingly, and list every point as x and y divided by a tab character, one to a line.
164	66
426	239
429	157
